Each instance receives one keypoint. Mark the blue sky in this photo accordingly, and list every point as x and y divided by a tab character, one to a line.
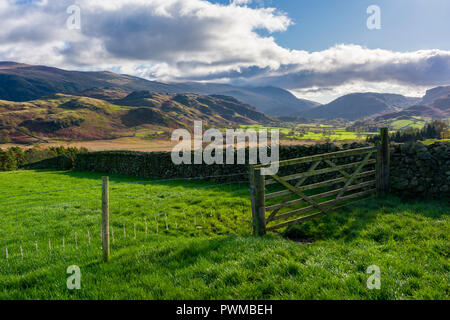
406	24
317	49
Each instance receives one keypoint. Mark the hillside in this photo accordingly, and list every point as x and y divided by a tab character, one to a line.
71	117
270	100
360	105
418	111
434	105
186	108
434	94
19	82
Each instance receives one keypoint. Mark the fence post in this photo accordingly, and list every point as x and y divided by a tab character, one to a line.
383	163
257	184
105	218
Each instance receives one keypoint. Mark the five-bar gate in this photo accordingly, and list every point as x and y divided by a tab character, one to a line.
364	172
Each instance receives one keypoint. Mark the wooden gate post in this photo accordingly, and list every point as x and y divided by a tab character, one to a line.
257	182
383	163
105	218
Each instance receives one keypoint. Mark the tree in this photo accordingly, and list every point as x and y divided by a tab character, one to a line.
18	155
7	161
434	130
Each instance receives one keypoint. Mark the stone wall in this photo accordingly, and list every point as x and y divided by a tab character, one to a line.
417	170
422	171
159	165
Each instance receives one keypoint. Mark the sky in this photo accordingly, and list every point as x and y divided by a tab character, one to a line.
319	50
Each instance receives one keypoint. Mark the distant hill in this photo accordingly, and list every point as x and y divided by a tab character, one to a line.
70	117
416	111
270	100
360	105
20	82
434	105
434	94
185	108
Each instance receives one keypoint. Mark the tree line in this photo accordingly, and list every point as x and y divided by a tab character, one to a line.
434	130
15	157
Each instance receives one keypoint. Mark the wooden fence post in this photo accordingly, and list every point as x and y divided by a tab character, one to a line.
257	182
105	218
383	163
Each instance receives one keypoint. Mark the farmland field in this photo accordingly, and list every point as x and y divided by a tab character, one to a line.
431	141
198	244
413	123
314	133
157	140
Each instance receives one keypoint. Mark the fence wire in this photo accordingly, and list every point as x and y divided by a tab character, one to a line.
68	222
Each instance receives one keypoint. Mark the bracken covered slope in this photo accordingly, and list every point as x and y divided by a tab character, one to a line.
72	117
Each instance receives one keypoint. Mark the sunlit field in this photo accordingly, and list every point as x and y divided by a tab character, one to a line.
314	133
192	240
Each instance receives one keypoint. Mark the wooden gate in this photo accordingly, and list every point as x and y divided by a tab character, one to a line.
318	198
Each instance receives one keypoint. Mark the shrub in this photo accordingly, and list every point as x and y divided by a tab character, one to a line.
39	158
8	161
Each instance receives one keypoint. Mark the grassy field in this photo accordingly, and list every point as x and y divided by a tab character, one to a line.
315	133
413	123
198	244
431	141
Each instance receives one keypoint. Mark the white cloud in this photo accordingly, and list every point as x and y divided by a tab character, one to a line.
327	94
198	40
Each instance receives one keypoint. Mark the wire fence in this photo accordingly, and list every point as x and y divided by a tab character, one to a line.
50	224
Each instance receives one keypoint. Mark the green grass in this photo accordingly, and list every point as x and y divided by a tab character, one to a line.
332	135
214	258
258	127
313	132
150	134
431	141
414	123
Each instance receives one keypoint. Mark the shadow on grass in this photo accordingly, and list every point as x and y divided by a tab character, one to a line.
172	254
170	182
347	224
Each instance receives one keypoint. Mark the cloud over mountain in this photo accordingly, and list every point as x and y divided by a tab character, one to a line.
199	40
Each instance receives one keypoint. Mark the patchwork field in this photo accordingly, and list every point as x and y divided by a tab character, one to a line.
314	133
413	123
198	244
157	139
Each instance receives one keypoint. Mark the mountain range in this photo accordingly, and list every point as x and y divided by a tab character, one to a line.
361	105
39	102
72	117
435	105
21	82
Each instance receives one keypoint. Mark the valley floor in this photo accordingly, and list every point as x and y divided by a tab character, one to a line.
197	244
136	144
